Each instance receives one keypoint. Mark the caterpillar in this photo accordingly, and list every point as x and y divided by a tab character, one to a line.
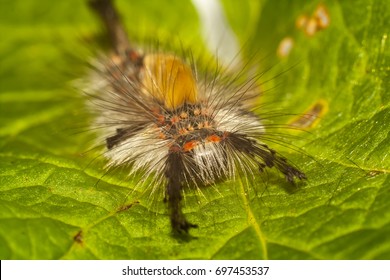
163	118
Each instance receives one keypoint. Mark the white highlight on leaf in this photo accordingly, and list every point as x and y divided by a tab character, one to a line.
218	35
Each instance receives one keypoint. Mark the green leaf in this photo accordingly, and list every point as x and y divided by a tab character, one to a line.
58	202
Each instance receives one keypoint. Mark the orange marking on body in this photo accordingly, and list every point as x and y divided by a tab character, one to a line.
175	119
196	112
213	138
206	124
183	115
188	146
161	119
133	55
204	111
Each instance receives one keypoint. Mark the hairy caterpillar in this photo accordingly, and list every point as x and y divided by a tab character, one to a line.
160	116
